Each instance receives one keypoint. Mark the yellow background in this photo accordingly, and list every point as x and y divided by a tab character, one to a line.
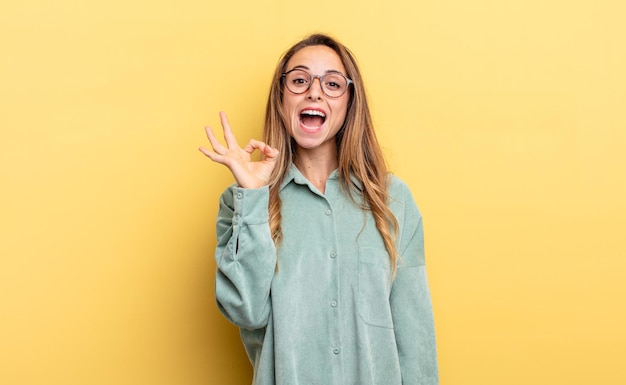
506	118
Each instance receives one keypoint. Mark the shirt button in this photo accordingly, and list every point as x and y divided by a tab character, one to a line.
333	303
328	211
333	255
239	195
336	350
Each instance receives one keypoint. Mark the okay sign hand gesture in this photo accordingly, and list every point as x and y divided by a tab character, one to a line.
247	173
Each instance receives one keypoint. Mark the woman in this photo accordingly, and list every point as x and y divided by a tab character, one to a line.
320	257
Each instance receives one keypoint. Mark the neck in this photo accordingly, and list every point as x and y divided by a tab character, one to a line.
316	166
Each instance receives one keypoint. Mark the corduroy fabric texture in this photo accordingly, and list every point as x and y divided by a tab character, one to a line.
331	313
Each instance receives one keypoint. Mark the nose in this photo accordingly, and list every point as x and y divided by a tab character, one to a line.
315	90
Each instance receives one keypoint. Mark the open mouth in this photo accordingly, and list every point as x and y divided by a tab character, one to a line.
312	118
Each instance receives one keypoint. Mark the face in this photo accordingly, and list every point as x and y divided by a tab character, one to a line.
313	118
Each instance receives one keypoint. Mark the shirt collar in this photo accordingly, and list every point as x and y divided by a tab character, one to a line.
293	174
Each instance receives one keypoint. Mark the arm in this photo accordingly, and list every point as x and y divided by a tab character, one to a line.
245	257
411	304
245	252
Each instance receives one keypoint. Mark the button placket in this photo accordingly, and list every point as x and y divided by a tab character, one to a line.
333	301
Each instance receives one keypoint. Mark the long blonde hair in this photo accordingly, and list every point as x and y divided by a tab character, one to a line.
360	155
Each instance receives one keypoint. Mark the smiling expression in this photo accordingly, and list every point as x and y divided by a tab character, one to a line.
313	119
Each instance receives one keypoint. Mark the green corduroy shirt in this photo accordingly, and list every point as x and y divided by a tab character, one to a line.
331	313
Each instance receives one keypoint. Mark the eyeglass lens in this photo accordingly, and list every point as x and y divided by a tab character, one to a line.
299	81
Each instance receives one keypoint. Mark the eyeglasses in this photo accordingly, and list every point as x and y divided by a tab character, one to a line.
299	81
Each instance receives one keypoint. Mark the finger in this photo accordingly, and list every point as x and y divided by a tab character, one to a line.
215	144
231	141
210	154
215	157
254	144
270	153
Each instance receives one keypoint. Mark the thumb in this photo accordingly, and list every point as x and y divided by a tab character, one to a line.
270	153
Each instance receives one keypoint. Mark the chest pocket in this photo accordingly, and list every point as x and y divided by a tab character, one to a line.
374	287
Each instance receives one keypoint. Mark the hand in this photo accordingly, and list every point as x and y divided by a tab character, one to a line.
247	173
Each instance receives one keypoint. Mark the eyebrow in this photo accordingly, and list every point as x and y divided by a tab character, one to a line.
303	67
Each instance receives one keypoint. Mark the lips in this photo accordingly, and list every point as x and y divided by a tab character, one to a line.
312	118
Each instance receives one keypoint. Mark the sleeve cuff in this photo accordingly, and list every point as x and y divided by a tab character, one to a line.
251	205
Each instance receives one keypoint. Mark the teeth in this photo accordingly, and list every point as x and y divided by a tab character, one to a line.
313	112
